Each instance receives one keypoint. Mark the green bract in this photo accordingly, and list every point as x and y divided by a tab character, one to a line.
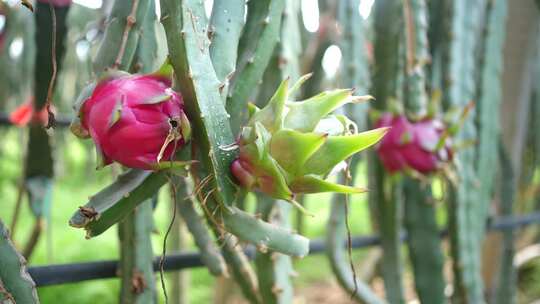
291	147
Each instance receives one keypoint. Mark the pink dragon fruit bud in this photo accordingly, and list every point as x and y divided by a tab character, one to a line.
57	3
413	145
390	148
135	120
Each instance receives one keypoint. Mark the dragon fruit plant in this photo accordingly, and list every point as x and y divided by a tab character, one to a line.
290	147
422	146
135	120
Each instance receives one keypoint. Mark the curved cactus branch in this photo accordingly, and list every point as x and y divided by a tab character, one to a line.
254	53
16	285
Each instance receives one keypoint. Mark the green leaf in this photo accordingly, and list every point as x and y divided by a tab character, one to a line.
271	116
338	148
313	184
291	149
305	115
299	83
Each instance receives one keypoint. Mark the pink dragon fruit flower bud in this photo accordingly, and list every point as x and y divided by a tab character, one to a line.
423	154
135	120
291	147
390	148
413	145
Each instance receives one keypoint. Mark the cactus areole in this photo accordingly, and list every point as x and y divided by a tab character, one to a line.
135	120
415	146
291	147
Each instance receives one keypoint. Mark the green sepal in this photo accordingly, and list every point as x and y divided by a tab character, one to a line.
291	149
405	138
157	99
336	125
262	139
338	148
116	113
177	167
185	127
271	179
101	159
165	70
299	83
252	109
305	115
313	184
271	116
111	75
76	124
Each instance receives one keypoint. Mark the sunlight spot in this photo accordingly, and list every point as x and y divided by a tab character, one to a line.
310	15
331	60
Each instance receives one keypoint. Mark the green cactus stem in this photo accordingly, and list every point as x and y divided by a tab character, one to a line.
226	24
240	267
465	212
138	282
39	159
274	269
16	285
136	256
489	98
384	193
424	242
122	35
506	292
116	201
189	54
254	53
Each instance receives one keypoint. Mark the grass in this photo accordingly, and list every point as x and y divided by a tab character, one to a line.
75	182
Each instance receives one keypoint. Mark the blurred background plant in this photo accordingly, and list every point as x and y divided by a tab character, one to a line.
409	54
